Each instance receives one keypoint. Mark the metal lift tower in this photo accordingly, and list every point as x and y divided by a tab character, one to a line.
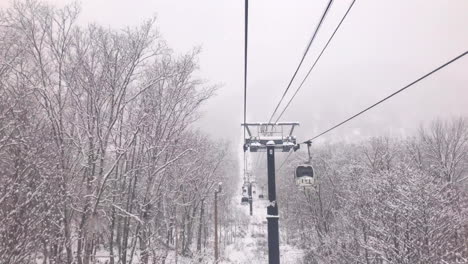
270	137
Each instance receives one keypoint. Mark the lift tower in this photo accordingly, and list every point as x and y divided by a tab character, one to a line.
271	137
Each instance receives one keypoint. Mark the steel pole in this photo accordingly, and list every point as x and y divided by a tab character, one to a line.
272	210
216	253
250	198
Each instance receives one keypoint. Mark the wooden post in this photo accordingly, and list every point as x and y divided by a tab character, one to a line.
216	250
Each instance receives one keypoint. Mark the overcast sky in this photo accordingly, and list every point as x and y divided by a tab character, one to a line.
382	46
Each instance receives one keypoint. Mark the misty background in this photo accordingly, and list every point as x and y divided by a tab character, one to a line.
381	46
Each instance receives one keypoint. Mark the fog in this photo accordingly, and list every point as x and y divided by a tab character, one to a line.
381	46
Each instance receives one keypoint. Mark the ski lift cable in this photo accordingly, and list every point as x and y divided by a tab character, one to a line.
245	68
245	60
388	97
316	60
303	57
245	166
284	161
257	160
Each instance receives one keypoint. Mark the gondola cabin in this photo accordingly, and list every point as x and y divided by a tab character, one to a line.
245	200
244	191
305	176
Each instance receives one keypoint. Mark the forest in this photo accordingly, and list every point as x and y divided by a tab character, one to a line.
383	200
97	147
100	156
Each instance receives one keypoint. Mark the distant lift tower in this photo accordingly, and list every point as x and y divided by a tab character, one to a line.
270	137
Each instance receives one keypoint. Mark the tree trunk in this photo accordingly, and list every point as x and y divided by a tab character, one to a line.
200	225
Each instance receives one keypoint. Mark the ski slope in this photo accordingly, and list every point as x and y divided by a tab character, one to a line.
252	244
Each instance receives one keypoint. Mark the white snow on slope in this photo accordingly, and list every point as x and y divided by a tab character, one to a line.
252	244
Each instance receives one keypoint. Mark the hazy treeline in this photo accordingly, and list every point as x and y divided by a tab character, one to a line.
384	200
96	146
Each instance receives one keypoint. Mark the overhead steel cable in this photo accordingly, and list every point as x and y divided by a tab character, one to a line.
302	59
284	161
246	28
257	161
245	60
316	60
389	96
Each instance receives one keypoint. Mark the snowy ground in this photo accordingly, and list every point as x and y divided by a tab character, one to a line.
251	246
